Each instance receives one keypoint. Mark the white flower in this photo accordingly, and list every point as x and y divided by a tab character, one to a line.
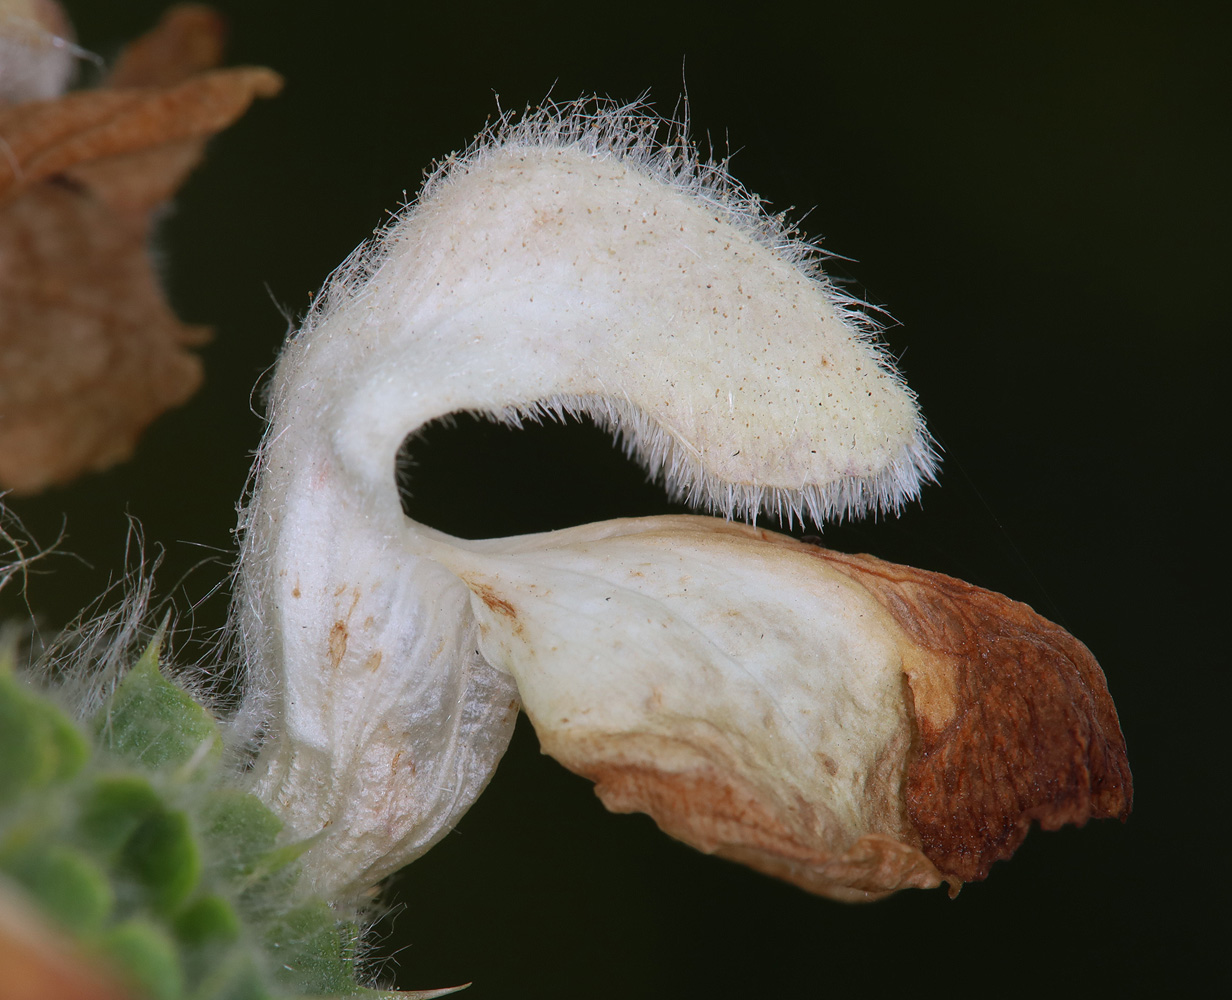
752	697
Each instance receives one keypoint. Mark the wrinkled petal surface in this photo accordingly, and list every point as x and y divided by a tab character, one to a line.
852	726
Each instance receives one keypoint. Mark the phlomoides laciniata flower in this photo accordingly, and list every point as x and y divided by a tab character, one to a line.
850	725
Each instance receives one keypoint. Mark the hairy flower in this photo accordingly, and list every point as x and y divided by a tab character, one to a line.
761	699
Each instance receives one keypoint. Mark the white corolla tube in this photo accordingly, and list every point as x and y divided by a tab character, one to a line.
573	264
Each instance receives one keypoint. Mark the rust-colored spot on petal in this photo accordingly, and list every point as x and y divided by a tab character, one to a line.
338	636
494	601
1033	734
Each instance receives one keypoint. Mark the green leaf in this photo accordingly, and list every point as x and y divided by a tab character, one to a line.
21	743
68	887
241	830
314	950
280	858
66	744
147	956
160	862
39	745
151	720
163	858
236	978
209	930
115	806
207	921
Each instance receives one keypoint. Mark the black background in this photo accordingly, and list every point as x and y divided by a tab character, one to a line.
1037	194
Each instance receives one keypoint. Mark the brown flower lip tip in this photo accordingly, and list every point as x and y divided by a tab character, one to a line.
1013	724
1013	716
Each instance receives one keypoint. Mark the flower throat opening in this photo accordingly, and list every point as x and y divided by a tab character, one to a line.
473	477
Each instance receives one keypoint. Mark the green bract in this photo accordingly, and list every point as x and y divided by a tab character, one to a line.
136	841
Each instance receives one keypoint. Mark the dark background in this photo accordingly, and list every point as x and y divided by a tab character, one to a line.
1037	194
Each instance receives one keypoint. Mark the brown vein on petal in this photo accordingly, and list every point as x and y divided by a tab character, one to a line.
1034	735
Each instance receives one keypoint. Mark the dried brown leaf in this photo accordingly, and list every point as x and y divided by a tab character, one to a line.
189	39
90	352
